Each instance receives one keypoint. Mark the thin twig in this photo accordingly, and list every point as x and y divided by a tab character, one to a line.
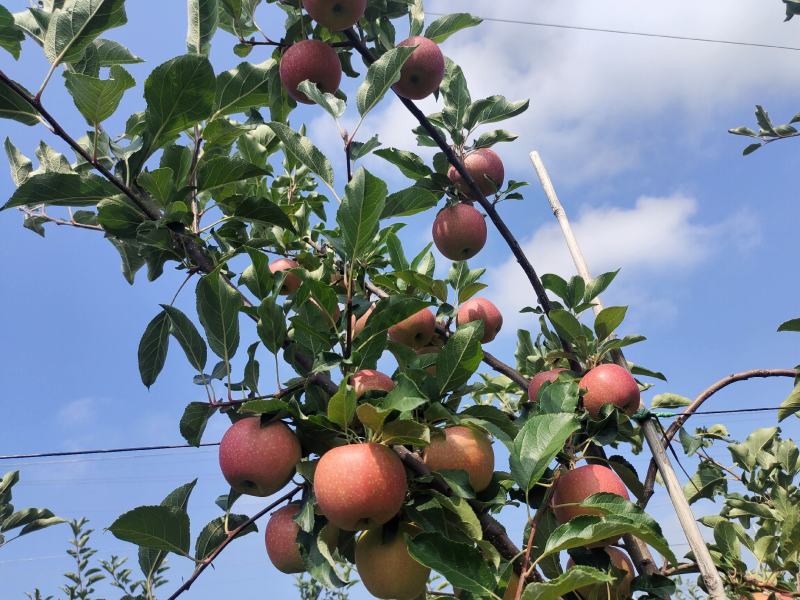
228	539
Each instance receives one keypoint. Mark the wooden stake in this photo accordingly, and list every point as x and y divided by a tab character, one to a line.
687	520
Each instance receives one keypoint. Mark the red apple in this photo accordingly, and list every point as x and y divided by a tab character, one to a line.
360	485
485	167
481	309
416	331
258	460
459	231
620	590
336	15
280	538
291	282
610	384
387	569
361	322
312	60
367	380
538	380
463	449
423	72
576	485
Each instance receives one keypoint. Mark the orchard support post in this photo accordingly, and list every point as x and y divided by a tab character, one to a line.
687	520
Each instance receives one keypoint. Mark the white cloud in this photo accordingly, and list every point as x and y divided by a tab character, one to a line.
598	100
654	237
78	413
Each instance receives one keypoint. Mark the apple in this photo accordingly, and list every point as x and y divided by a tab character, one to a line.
485	167
538	380
465	449
416	331
423	72
459	231
280	538
386	568
291	282
767	596
367	380
258	460
610	384
359	323
574	486
360	485
336	15
312	60
481	309
620	590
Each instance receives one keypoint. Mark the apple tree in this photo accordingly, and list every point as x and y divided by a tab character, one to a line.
391	471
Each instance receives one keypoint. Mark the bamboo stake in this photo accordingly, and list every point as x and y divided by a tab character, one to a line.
687	520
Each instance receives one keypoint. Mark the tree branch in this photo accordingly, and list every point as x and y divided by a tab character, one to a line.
229	538
675	427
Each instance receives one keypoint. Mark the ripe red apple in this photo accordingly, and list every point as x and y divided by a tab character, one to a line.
619	590
465	449
481	164
336	15
367	380
416	331
459	231
610	384
258	460
280	538
574	486
387	569
360	485
423	72
766	596
291	282
312	60
538	380
481	309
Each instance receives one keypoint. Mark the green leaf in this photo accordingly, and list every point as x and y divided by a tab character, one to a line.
271	325
409	201
657	586
119	217
537	444
218	307
574	578
183	330
333	106
791	405
243	87
372	417
214	533
490	138
411	165
460	357
462	565
342	406
193	421
21	165
791	325
131	260
301	149
257	277
15	108
149	559
74	27
97	99
30	519
608	320
556	284
153	348
11	36
443	27
669	401
492	110
598	285
456	100
219	171
257	209
179	94
750	149
381	75
585	530
203	17
406	395
406	432
161	527
360	212
110	53
566	324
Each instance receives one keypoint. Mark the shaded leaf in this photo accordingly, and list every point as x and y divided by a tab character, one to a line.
183	330
443	27
218	307
153	348
194	420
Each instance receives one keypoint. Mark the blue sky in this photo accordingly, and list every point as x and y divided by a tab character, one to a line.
633	131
